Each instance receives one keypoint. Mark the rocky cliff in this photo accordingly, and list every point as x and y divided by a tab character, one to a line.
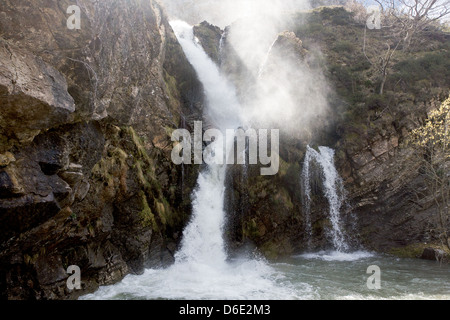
85	124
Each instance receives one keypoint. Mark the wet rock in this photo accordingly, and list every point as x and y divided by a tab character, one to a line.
433	254
61	190
6	159
209	37
51	153
82	189
25	213
72	178
362	159
50	269
287	42
9	186
380	147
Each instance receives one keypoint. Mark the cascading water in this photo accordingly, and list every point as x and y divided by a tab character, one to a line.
203	237
333	190
266	59
222	43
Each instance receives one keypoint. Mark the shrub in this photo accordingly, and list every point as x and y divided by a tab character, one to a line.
344	47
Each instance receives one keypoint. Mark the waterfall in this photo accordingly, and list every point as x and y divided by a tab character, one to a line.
306	197
203	240
333	190
266	58
202	269
222	43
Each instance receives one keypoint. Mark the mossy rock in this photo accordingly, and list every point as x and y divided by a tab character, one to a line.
411	251
148	218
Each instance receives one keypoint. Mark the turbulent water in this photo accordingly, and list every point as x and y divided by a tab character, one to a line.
314	276
202	269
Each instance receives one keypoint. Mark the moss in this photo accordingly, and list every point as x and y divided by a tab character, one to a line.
411	251
169	131
28	259
250	229
102	171
91	230
142	152
414	250
120	155
283	199
173	93
165	213
140	174
209	36
293	170
320	225
270	250
148	218
284	167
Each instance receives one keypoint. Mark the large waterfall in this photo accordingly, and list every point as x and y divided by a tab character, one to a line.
332	188
203	237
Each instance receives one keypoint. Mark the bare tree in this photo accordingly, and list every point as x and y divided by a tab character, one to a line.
403	20
381	62
410	17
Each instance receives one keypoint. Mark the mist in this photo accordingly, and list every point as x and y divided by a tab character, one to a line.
281	90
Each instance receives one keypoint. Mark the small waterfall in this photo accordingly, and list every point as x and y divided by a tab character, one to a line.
222	43
306	197
266	58
333	190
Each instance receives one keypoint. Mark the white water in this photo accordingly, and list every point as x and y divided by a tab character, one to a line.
203	238
323	275
266	59
332	188
223	108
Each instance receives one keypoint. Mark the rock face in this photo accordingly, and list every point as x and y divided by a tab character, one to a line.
86	117
210	38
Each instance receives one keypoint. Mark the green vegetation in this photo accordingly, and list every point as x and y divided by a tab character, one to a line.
127	158
417	75
147	215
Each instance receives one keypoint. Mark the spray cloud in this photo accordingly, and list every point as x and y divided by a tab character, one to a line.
280	89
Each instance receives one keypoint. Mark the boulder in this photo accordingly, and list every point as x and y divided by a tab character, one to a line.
33	94
433	254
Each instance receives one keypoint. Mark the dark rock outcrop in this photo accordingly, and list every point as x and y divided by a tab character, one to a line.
435	255
210	37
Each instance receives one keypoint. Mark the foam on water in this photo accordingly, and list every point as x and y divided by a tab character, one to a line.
338	255
238	280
